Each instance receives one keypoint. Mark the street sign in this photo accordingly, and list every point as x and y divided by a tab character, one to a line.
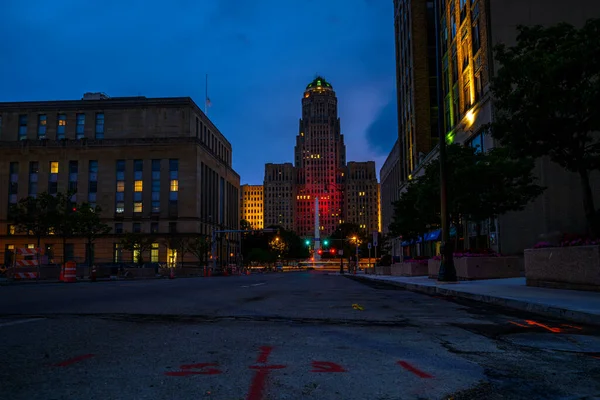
369	246
375	236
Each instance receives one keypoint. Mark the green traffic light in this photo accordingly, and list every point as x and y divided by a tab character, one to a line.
326	242
307	242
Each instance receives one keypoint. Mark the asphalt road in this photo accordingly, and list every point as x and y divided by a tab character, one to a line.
301	335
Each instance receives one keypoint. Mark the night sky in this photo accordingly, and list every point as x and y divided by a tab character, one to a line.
259	56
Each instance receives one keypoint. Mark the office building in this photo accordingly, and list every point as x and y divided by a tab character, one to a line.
252	205
156	166
279	194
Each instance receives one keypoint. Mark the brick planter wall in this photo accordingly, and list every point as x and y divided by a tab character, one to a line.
575	267
473	268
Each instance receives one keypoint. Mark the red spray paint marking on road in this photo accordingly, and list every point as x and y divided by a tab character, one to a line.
200	366
73	360
257	388
414	370
326	366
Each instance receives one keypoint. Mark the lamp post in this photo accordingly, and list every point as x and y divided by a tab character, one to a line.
447	272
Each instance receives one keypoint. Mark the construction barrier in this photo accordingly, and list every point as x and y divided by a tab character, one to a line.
69	273
25	275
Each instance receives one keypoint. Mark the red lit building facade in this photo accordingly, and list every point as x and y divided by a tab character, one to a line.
320	171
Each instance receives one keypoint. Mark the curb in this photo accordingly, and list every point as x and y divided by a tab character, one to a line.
540	309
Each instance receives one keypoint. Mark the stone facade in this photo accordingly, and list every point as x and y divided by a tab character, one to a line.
389	193
157	166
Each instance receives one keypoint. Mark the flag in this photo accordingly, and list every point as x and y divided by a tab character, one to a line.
208	103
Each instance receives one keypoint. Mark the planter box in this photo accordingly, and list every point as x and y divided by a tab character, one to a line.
433	268
383	270
575	267
472	268
413	269
396	269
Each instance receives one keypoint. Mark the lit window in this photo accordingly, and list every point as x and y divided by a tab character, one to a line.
120	186
138	186
137	207
54	167
154	253
174	185
11	230
120	209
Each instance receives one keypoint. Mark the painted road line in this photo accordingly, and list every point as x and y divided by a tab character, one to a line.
73	360
20	321
257	388
255	284
414	370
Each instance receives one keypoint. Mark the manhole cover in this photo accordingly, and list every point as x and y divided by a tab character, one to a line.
553	341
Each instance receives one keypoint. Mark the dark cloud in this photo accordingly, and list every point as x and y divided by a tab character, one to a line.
383	132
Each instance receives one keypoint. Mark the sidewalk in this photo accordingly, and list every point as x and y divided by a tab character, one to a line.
572	305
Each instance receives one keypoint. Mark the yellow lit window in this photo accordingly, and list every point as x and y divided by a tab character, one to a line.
120	186
138	186
174	185
12	230
137	207
54	167
62	122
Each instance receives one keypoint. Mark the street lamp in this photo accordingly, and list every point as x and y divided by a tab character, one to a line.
447	272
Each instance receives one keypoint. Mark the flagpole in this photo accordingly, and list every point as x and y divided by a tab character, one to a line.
206	96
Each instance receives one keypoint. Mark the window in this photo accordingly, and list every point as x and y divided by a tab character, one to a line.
34	167
465	54
99	125
120	208
137	207
467	96
174	186
73	169
172	227
61	126
80	126
174	168
477	142
155	169
477	87
137	227
120	186
138	186
138	167
120	170
93	166
476	38
42	126
154	227
23	127
154	253
117	251
54	167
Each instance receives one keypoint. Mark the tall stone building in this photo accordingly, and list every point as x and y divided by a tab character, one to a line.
156	166
320	174
362	196
469	29
390	192
279	195
252	205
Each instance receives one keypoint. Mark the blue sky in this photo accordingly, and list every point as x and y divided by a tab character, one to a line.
259	56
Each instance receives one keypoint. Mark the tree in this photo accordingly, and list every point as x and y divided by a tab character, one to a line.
137	242
32	215
546	100
480	186
245	225
199	246
89	225
180	244
62	218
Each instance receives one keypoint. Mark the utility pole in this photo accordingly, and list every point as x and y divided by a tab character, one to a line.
447	271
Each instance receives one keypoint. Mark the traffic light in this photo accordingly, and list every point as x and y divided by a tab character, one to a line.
307	242
332	251
320	251
326	242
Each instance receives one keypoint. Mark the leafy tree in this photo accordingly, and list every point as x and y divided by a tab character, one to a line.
63	219
546	100
180	244
32	215
89	225
199	246
137	242
341	238
245	225
480	186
